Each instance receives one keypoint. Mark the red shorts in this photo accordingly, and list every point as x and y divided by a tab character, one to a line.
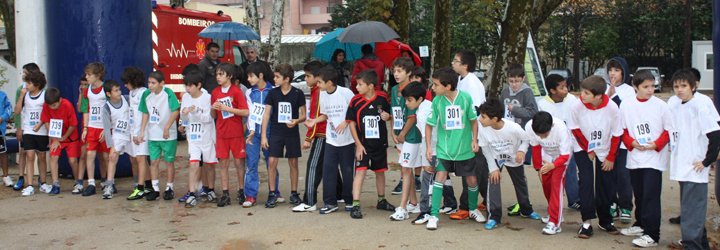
72	149
236	145
92	140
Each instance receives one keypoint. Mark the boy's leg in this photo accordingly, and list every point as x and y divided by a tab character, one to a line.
556	182
605	189
266	154
693	211
314	171
21	164
240	165
481	172
517	175
440	176
624	198
651	206
169	151
449	199
90	165
103	162
330	174
637	178
357	185
294	174
347	168
571	182
425	187
112	164
494	200
155	174
29	167
294	151
586	185
82	163
42	166
252	179
4	162
54	168
408	185
193	176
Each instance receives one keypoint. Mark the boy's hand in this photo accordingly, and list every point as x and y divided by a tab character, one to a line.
510	107
359	152
394	138
540	174
637	145
19	134
181	128
250	136
191	108
341	128
37	127
546	168
185	111
23	91
135	140
611	90
292	123
102	137
84	134
591	156
652	146
698	167
55	145
264	143
310	123
306	145
385	116
520	157
428	155
142	137
495	177
166	133
218	106
607	165
429	169
475	147
400	138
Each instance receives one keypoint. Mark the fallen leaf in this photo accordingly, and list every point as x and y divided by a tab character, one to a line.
250	214
619	242
132	210
186	215
404	245
179	239
33	200
307	240
135	219
278	242
381	246
33	234
675	246
712	197
234	223
572	223
70	244
170	247
448	242
175	221
141	242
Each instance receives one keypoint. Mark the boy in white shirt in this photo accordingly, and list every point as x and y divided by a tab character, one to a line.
646	121
504	143
200	130
35	135
552	149
116	126
694	146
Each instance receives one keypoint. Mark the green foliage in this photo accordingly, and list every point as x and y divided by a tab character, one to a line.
3	78
352	11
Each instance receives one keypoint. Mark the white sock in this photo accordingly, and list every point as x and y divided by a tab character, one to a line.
91	182
169	186
156	187
448	182
586	225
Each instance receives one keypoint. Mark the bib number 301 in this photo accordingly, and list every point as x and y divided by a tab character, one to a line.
452	117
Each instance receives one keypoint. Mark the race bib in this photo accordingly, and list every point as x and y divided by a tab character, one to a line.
95	114
121	126
55	128
227	102
508	115
642	133
674	138
452	117
331	130
398	122
194	131
372	130
503	158
595	140
154	116
257	113
34	117
284	112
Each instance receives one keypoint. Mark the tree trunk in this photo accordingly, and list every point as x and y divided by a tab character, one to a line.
7	10
276	32
576	52
512	43
251	16
687	52
401	16
542	10
180	3
441	35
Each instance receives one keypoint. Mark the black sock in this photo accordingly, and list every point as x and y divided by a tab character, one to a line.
241	190
206	188
226	192
148	183
192	193
21	177
141	187
211	190
293	192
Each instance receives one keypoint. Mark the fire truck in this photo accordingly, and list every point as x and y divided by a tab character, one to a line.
176	42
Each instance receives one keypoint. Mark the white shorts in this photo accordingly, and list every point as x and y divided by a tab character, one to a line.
409	155
424	162
206	151
121	146
134	150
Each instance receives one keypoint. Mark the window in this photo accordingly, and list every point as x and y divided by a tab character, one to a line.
314	9
709	61
239	56
220	43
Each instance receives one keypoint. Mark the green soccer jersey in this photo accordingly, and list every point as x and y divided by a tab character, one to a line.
454	130
397	102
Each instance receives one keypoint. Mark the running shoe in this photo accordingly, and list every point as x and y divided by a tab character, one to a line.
90	190
203	192
421	219
54	191
45	188
224	201
551	229
625	216
645	241
7	180
304	208
400	214
190	201
355	213
295	198
448	210
108	193
27	191
249	202
632	231
533	216
212	197
398	189
329	209
19	185
477	215
413	209
491	224
432	223
460	215
169	194
271	201
241	196
610	228
280	199
575	206
385	205
185	197
154	195
137	194
585	233
78	189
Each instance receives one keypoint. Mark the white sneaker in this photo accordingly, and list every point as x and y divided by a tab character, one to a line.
341	201
413	209
546	219
280	200
400	214
77	189
632	231
45	188
304	208
645	241
103	185
432	223
448	210
551	229
29	190
108	193
477	215
8	181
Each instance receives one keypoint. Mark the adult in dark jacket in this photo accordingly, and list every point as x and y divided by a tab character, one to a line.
339	63
368	61
207	67
251	53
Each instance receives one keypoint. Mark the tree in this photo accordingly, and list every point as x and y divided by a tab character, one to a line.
401	16
251	18
276	31
441	38
7	10
179	3
352	11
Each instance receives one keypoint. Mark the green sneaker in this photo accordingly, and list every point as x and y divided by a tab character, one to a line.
625	216
614	211
515	211
137	194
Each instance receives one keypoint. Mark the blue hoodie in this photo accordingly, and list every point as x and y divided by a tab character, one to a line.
255	96
6	111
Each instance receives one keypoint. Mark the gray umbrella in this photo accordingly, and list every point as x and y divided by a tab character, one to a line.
367	32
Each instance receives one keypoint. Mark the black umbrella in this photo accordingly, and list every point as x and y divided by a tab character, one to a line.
367	32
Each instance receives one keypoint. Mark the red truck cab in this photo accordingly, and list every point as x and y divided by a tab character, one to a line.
176	42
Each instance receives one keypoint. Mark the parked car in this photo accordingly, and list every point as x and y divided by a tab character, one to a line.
601	72
567	74
300	83
481	73
658	77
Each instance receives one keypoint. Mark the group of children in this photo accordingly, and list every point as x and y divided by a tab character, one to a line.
574	144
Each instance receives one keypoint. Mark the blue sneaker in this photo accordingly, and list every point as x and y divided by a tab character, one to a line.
114	189
328	209
184	198
491	224
533	216
90	190
55	190
19	185
203	192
